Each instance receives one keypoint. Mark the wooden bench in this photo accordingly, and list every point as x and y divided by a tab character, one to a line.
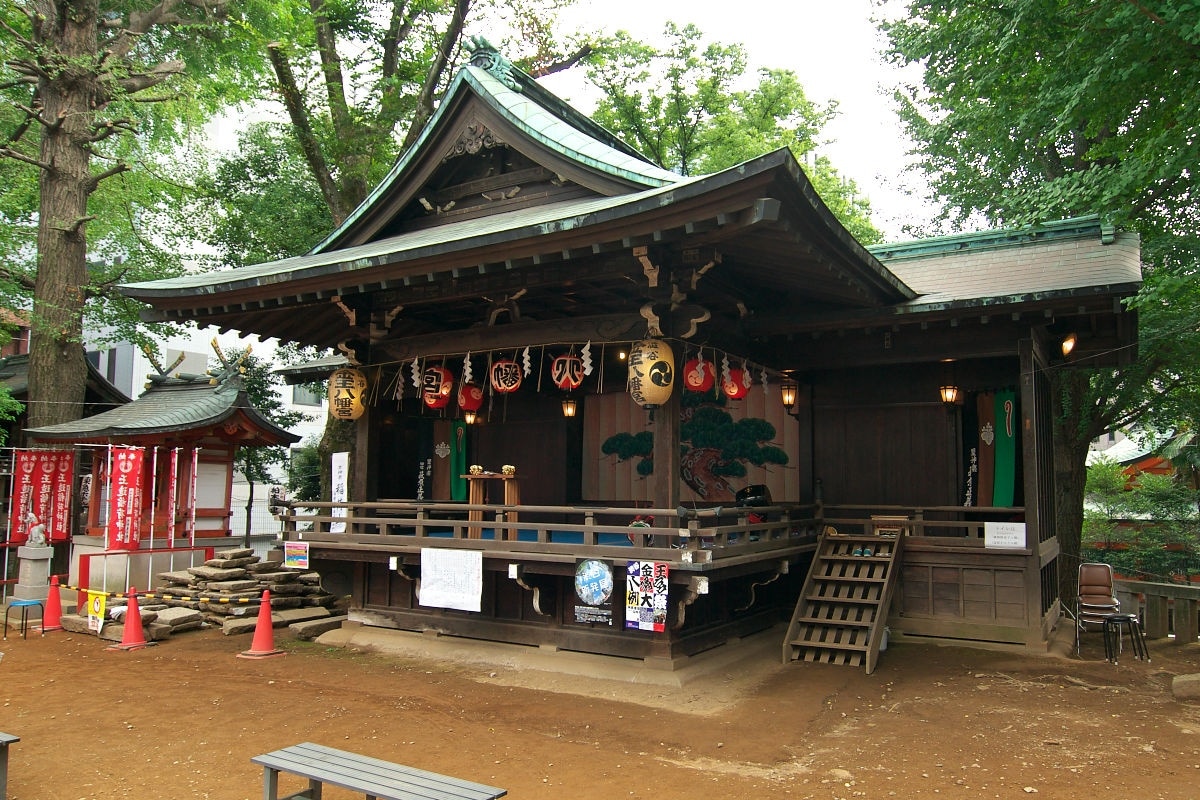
5	740
378	780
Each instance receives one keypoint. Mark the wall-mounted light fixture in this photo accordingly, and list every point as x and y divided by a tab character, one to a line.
569	406
1068	344
469	417
788	391
948	391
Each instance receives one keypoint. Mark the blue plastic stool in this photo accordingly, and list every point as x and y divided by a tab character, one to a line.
24	605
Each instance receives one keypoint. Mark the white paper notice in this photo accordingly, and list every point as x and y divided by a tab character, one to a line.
1004	534
451	578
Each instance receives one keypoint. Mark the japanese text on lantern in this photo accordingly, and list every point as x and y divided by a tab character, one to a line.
346	390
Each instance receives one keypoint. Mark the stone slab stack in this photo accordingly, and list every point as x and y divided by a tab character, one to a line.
228	589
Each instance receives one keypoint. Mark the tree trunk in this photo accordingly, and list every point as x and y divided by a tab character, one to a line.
339	437
249	510
57	365
1073	434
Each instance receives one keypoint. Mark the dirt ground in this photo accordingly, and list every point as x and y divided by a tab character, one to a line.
182	719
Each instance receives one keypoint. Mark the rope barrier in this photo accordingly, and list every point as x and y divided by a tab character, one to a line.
167	596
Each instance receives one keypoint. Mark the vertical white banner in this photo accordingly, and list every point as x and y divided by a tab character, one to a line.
191	498
340	466
172	500
153	492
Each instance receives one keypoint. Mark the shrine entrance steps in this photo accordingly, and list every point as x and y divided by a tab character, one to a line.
841	614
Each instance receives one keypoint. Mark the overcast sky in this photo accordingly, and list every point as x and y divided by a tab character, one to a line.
831	45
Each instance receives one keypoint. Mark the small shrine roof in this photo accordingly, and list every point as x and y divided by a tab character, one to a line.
191	404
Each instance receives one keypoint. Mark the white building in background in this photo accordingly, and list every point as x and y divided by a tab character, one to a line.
126	367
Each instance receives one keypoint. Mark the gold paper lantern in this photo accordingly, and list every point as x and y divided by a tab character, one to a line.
651	372
347	387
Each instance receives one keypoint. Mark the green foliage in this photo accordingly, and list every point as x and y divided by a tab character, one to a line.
680	106
10	409
1146	526
262	390
258	203
304	474
1033	106
1035	110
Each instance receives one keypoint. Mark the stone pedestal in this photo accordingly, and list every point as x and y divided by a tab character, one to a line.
33	579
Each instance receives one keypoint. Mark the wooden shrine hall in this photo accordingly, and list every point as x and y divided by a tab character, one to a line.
607	408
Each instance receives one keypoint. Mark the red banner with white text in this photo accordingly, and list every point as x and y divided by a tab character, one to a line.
124	499
41	495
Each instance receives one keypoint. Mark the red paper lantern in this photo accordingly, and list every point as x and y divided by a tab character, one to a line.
470	397
567	371
437	387
505	376
699	376
738	385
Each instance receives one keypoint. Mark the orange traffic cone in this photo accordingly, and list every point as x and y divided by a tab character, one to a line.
52	617
132	637
263	645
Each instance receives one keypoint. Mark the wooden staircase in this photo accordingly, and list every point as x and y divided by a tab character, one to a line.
842	610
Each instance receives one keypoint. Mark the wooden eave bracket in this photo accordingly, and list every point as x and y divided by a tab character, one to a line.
697	585
642	254
517	573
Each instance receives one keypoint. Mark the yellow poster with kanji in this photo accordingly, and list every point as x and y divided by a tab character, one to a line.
95	610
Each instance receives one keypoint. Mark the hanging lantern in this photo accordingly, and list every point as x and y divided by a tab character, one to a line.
567	372
737	385
470	397
651	372
699	376
346	390
437	386
505	376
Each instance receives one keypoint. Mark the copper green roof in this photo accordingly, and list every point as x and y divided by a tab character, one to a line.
195	404
539	115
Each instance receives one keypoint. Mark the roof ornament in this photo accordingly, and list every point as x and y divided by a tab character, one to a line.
162	374
485	56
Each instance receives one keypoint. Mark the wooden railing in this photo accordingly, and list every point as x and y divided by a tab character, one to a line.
1166	609
691	536
949	525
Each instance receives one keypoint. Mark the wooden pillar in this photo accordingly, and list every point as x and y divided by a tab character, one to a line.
364	460
1184	618
666	450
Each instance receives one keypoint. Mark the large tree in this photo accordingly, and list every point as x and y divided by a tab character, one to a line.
677	103
91	87
1033	110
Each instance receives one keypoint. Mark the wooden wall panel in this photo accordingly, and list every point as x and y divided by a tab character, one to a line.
606	479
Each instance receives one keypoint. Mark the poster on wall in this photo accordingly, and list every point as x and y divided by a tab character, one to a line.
593	591
646	595
295	555
451	578
340	465
123	531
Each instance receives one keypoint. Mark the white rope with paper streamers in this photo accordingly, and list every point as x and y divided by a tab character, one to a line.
415	371
398	385
466	370
762	377
526	365
585	354
725	369
746	376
